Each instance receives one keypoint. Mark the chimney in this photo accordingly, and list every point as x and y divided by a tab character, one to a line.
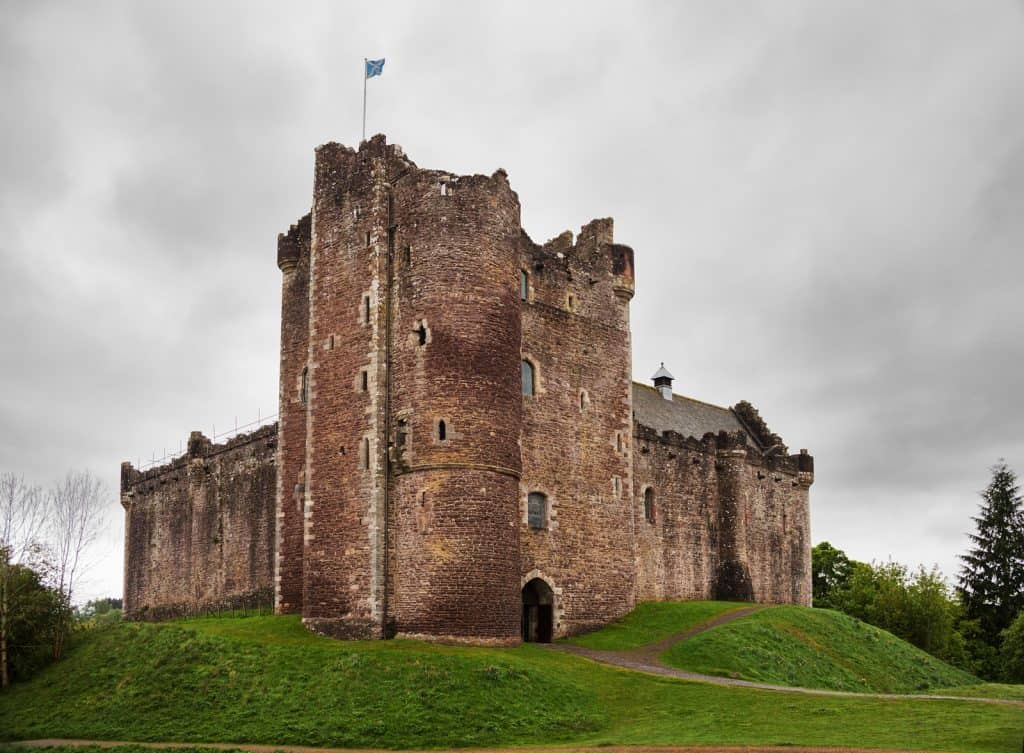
663	381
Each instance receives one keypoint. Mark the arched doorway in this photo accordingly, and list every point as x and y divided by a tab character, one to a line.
538	611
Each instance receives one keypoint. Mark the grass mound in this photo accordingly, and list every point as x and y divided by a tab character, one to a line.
139	682
814	648
266	680
653	621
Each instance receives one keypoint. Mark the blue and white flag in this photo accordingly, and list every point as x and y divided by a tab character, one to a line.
374	67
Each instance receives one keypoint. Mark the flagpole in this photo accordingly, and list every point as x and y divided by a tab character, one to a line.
364	99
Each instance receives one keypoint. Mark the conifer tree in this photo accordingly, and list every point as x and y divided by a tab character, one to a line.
992	577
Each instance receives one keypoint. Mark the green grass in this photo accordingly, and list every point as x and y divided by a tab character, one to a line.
266	680
653	621
814	648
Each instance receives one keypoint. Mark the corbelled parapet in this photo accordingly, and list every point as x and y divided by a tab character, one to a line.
293	244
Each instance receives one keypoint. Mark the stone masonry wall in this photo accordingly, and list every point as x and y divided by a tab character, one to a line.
576	435
729	521
199	532
293	259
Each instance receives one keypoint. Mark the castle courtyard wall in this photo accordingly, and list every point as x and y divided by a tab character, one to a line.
199	532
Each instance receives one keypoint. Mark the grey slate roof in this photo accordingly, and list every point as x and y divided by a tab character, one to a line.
689	417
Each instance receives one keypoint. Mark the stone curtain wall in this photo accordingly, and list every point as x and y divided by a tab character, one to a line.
576	433
729	522
199	531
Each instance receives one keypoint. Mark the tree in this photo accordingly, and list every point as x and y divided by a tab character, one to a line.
991	581
830	573
22	518
34	617
76	506
1012	652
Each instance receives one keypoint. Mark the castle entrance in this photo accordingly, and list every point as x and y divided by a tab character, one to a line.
538	612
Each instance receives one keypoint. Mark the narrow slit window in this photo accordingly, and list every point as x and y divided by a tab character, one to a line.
528	386
583	400
421	333
649	505
616	486
366	454
304	386
366	309
618	442
408	256
442	431
367	238
364	379
572	302
536	510
524	285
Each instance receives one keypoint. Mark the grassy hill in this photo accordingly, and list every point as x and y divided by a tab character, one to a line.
814	648
653	621
267	680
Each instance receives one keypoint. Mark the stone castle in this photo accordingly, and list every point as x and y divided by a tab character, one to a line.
461	453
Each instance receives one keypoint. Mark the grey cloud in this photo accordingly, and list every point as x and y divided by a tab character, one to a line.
823	198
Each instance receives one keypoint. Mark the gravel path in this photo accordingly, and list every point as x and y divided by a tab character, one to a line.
647	659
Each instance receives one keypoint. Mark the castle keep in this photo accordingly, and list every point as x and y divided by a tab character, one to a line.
461	452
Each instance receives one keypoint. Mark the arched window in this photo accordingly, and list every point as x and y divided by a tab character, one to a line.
536	510
442	430
524	285
649	504
528	386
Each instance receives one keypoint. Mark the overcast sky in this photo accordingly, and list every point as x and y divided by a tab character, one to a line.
826	200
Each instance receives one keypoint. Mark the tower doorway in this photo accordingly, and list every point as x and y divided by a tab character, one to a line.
538	612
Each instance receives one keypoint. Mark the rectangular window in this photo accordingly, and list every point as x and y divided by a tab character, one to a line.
524	285
365	380
366	309
536	509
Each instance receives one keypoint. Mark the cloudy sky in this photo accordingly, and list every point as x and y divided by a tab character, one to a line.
825	200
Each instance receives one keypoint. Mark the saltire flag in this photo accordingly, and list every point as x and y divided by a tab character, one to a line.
374	67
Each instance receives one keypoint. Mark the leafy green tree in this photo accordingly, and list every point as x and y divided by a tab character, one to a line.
34	617
1012	652
830	573
992	576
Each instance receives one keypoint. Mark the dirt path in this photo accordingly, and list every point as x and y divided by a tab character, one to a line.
647	659
532	749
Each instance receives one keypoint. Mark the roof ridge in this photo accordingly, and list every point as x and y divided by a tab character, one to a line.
685	397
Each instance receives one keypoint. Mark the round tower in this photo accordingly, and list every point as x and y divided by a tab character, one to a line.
455	406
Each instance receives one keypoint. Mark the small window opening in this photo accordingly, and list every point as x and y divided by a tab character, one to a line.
366	309
355	213
364	378
304	386
528	385
536	510
618	442
408	256
367	238
444	189
572	302
330	343
524	285
616	485
442	431
401	432
421	333
649	505
366	454
584	399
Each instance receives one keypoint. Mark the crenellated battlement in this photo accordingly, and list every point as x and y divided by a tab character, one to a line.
199	447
